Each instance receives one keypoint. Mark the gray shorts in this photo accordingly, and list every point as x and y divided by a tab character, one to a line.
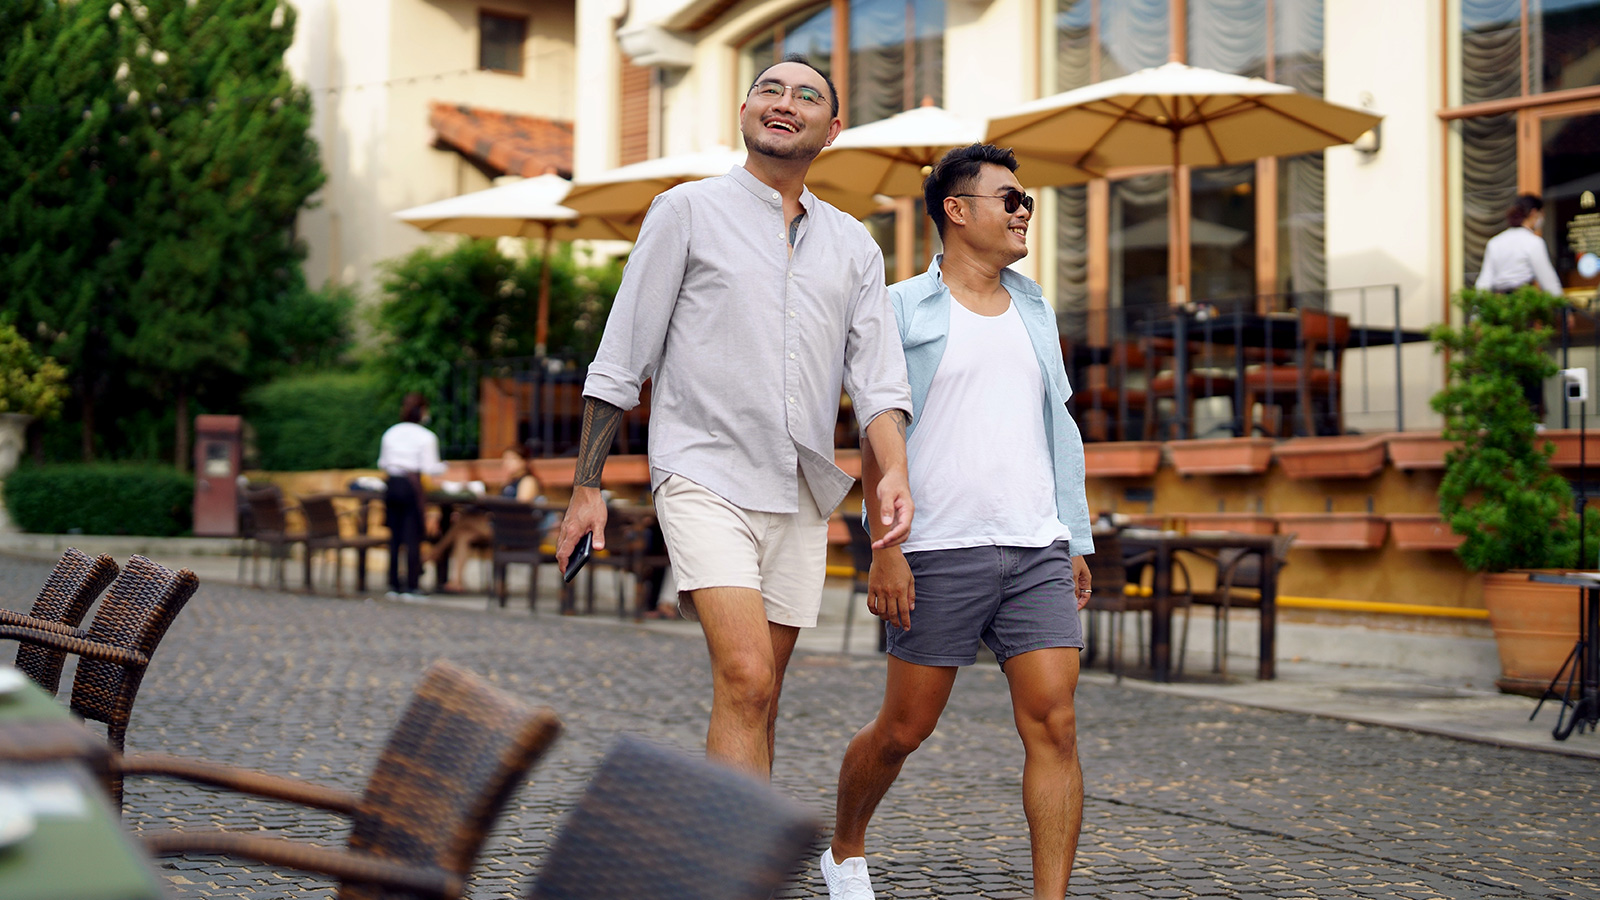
1015	599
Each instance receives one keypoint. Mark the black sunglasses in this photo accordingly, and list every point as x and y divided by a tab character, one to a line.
1013	198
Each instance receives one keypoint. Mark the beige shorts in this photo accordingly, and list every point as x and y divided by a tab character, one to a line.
713	543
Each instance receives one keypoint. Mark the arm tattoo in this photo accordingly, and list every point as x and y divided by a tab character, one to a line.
898	417
600	421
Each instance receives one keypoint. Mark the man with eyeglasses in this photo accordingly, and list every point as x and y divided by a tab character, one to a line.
996	553
750	302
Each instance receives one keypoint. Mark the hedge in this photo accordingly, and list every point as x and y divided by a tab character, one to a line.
329	420
101	498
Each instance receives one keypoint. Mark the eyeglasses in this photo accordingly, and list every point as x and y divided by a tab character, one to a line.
772	90
1013	198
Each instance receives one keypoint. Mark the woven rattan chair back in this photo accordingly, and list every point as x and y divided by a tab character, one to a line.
459	750
655	824
266	508
135	614
322	519
71	589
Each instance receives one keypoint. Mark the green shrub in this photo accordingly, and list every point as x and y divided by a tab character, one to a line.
329	420
101	498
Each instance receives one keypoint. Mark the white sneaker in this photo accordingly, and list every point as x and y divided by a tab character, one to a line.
847	880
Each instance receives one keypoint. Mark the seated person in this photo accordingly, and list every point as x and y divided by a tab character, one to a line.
472	527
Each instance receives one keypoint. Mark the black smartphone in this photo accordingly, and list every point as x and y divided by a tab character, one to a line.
580	555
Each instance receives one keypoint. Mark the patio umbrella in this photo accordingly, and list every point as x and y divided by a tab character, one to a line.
625	193
528	208
892	156
1177	115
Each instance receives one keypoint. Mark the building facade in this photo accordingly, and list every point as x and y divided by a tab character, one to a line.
421	100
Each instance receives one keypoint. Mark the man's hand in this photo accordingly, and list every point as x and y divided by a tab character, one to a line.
1082	579
894	508
890	593
585	514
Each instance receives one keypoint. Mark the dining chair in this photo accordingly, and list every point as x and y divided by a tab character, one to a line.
63	601
634	546
458	751
1238	586
1118	595
657	824
1314	377
324	534
1209	374
115	650
861	563
1102	398
517	537
270	519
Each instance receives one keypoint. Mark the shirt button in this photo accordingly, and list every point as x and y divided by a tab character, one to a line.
791	356
791	399
776	196
791	313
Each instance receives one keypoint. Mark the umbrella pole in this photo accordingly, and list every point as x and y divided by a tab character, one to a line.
541	328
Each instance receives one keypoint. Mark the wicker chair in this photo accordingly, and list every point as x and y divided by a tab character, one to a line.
116	648
1116	595
517	537
1238	587
458	752
655	824
67	594
634	545
323	535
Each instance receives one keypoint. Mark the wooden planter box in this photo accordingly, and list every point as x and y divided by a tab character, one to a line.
1419	450
1245	523
1228	456
1122	459
1535	627
1334	531
1354	456
1422	531
1570	445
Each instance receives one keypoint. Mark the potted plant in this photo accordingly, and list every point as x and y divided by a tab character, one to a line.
1499	490
30	388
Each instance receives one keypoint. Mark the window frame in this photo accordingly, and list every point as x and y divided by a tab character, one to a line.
522	19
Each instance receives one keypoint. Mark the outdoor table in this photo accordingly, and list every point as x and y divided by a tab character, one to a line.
1163	545
1264	331
77	850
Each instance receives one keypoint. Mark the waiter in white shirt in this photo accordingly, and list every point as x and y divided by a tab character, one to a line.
1518	256
408	451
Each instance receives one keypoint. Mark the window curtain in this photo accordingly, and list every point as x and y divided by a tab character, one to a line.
1488	183
1134	35
1229	36
1491	49
877	59
1072	262
1074	47
1302	218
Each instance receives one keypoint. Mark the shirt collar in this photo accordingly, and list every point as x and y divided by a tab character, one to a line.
764	192
1011	281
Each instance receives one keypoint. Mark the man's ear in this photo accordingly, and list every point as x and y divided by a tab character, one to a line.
954	211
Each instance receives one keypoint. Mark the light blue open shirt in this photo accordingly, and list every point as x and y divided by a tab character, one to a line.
922	311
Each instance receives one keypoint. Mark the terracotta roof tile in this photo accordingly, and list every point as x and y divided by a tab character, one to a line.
511	144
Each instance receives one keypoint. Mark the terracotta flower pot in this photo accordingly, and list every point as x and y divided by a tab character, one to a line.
1245	523
1122	459
1334	531
1346	456
1535	627
1228	456
1422	531
1573	447
1419	450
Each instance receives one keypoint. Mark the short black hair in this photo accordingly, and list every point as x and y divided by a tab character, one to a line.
1525	206
955	172
802	59
412	407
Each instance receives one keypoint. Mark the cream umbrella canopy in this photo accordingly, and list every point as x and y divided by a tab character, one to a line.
624	194
1177	115
528	208
892	156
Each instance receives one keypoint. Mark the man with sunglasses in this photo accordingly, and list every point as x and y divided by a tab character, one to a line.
750	302
996	552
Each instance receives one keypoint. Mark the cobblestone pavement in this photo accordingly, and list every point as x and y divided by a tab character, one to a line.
1186	798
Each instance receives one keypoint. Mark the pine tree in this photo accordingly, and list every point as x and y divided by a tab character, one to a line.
225	163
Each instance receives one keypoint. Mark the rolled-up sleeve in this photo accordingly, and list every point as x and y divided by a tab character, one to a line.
636	329
874	364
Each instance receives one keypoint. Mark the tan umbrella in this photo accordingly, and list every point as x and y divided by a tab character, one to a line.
624	194
528	208
892	156
1177	115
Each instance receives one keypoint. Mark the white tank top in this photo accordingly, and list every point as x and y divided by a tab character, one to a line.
979	461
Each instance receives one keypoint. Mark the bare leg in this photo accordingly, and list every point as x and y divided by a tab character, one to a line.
744	677
913	698
1042	687
783	638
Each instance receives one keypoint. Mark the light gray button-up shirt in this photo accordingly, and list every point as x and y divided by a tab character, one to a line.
749	343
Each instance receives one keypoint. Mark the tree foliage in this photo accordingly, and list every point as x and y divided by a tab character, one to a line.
29	384
1499	489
